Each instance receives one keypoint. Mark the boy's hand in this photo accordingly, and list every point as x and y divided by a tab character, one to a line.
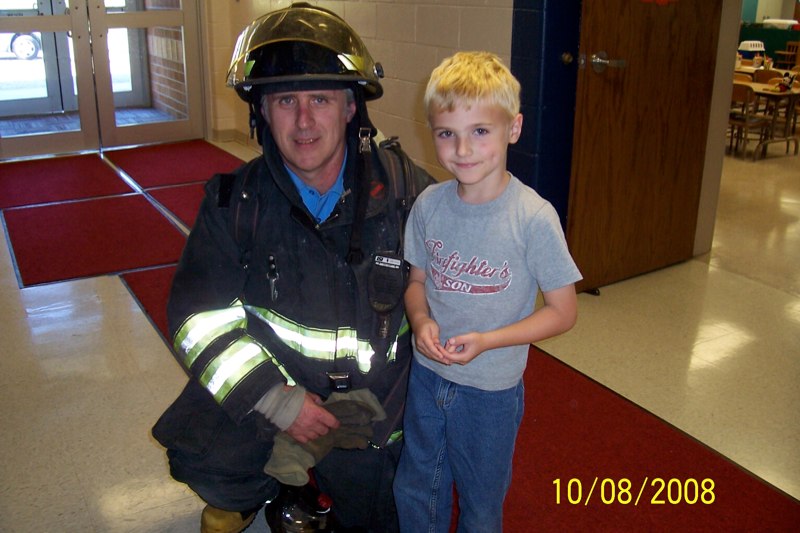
428	343
462	349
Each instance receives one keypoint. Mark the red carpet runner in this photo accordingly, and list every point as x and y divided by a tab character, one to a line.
118	232
56	180
173	164
183	200
151	288
89	238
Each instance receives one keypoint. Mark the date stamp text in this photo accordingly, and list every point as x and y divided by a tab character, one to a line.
623	491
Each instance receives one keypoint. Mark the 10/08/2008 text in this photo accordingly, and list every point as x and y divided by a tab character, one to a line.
661	491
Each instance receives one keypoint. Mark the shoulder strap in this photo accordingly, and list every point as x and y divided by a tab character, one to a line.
400	172
243	201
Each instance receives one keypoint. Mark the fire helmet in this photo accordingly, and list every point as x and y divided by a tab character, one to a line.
301	47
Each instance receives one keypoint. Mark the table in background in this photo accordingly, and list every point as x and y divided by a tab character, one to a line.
750	71
768	91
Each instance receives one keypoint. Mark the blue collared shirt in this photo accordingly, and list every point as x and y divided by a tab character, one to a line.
320	205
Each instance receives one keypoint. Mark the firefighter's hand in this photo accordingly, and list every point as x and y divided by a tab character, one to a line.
313	420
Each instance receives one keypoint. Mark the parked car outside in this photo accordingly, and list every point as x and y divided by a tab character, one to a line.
22	45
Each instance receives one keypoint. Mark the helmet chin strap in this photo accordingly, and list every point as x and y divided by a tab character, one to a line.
365	133
257	122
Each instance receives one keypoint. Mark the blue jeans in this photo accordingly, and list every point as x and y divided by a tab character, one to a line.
455	433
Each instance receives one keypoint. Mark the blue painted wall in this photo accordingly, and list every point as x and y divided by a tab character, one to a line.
749	10
542	31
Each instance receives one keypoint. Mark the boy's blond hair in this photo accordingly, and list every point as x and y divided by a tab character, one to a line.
467	78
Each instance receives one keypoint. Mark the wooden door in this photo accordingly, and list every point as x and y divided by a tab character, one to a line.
640	134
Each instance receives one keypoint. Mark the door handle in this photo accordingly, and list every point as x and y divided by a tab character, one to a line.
600	62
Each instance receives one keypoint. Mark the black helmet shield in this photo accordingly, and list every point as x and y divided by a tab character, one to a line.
299	66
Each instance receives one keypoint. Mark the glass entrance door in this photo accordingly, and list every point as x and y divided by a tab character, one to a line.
82	76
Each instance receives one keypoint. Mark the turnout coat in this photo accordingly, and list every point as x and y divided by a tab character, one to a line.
264	295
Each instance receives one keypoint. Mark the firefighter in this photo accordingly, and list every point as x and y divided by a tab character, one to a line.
290	288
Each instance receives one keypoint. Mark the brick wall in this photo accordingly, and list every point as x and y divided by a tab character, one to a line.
166	63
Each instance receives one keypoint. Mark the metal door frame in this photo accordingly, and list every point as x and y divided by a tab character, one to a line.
95	99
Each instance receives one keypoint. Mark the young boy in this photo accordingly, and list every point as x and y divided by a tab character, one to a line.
480	248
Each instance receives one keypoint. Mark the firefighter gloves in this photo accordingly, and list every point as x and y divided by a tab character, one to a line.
356	411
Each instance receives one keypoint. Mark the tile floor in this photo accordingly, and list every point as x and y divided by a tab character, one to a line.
711	346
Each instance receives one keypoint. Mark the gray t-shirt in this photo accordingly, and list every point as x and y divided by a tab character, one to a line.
484	264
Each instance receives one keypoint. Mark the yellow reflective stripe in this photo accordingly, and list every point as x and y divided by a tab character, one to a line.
318	344
364	355
234	364
350	346
404	326
395	436
315	343
392	355
200	330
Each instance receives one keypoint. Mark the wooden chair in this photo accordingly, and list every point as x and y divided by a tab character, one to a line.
776	81
768	110
743	120
741	76
763	76
789	57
